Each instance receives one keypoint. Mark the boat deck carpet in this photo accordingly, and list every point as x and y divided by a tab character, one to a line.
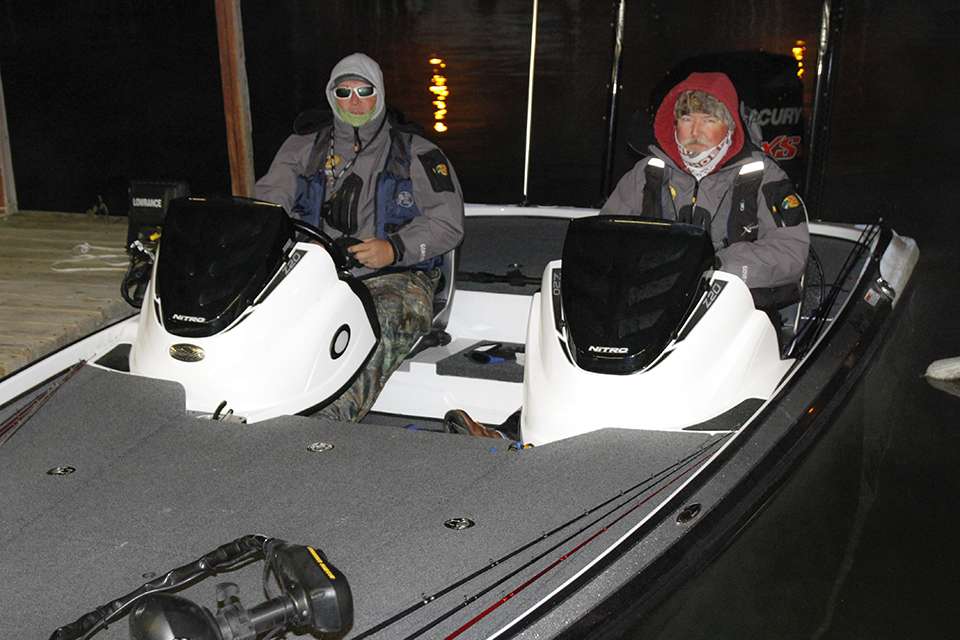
153	488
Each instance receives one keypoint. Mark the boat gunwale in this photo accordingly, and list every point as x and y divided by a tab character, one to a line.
79	350
717	523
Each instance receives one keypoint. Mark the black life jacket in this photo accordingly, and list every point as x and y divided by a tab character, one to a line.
742	223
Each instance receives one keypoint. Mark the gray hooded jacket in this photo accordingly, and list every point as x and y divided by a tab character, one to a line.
778	256
438	229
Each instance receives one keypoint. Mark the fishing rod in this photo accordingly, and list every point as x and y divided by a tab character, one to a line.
677	470
814	326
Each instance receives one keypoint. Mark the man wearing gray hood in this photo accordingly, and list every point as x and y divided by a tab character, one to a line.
367	178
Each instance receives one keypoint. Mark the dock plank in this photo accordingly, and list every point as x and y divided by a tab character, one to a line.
49	295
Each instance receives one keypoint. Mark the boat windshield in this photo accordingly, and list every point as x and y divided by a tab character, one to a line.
627	283
215	257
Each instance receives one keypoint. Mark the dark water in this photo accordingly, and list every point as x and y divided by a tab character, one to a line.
905	570
100	93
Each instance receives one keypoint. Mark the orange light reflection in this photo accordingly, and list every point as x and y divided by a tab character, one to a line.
440	92
799	50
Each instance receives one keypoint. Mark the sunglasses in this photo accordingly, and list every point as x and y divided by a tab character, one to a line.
364	91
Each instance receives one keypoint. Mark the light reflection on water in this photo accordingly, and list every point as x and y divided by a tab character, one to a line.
440	92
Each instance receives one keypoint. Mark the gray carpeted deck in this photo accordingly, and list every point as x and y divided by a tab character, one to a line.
154	489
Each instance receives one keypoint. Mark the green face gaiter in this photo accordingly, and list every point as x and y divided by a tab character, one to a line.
353	119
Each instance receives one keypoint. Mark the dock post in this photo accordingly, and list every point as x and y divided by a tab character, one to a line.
236	96
8	191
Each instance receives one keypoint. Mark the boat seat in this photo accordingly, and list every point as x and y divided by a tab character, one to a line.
442	299
785	309
445	289
782	306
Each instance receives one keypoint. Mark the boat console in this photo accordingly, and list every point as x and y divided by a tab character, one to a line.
635	329
246	318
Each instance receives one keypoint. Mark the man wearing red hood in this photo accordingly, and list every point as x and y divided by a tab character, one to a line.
704	171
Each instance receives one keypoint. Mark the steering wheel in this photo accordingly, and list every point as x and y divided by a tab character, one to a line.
342	258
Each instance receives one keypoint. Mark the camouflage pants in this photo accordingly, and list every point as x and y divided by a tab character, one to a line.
404	303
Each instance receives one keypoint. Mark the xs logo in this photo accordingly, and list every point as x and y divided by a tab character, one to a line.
782	147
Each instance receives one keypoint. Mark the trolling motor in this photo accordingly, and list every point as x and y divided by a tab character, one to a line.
142	252
148	202
305	593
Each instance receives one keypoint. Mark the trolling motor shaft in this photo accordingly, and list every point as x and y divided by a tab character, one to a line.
168	617
237	623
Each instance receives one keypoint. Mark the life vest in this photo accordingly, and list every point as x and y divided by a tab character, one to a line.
394	201
742	223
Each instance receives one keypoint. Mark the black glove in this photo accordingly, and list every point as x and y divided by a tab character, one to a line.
340	212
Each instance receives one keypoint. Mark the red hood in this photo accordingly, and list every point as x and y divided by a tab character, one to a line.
716	84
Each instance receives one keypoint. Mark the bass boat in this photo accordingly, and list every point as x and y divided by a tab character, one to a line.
166	477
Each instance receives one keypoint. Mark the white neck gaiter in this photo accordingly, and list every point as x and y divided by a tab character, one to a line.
701	164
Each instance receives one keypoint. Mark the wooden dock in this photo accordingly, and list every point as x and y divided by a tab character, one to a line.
60	279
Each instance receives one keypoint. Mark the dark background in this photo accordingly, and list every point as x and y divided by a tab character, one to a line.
101	93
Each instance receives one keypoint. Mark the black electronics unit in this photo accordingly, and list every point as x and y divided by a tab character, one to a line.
148	204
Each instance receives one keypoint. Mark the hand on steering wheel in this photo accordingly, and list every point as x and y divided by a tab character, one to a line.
337	248
373	253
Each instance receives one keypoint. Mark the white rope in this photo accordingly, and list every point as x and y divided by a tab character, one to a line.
94	256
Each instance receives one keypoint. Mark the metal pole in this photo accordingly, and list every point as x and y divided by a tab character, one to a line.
831	24
614	96
236	96
8	191
526	147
